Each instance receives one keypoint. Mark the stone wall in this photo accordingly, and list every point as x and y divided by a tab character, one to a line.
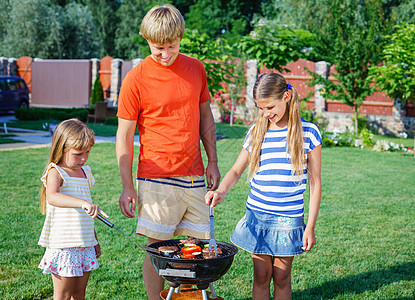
385	125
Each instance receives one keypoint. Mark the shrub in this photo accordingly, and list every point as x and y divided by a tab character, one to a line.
97	93
111	121
224	102
339	139
58	114
367	138
362	122
328	142
306	114
311	116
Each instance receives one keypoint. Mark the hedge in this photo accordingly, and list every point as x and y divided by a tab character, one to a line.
58	114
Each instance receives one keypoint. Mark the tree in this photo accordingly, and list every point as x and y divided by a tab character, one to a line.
405	12
396	76
80	35
219	18
271	44
205	16
213	55
106	21
97	93
129	43
4	13
39	34
50	31
350	37
282	11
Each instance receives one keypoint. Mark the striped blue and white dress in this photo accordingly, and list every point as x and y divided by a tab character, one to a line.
274	219
275	189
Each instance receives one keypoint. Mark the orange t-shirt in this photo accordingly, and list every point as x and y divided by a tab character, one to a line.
165	102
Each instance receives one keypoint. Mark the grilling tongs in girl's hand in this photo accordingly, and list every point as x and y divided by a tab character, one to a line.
108	223
212	241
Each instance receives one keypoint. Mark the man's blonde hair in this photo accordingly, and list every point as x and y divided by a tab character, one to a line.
162	24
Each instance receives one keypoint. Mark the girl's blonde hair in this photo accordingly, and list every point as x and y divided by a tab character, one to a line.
272	86
69	134
162	24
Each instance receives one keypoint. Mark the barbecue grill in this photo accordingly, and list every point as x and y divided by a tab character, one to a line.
196	271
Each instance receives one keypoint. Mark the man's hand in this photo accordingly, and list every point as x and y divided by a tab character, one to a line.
128	201
212	176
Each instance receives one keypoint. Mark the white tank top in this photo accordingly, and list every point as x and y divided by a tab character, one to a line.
69	227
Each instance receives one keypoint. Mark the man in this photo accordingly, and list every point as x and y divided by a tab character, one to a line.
167	98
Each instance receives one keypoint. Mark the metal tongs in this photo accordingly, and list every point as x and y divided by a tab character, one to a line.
212	241
111	225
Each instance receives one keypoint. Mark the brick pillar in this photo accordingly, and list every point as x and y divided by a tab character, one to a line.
12	68
94	70
322	68
4	63
137	61
116	65
251	77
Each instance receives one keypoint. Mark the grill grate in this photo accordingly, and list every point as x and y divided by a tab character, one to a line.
226	250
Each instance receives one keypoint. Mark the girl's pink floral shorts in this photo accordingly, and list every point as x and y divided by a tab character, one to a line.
69	262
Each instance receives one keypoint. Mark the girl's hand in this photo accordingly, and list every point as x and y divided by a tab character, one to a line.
309	239
97	250
93	210
213	198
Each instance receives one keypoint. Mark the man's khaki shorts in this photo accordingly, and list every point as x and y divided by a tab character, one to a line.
172	206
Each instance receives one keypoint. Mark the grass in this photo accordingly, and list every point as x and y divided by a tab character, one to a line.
364	231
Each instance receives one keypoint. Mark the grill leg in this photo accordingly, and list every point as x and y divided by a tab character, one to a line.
212	291
204	295
170	294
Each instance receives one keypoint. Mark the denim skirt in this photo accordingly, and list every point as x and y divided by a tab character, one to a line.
260	233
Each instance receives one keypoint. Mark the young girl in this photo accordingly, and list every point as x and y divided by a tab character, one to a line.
68	233
279	150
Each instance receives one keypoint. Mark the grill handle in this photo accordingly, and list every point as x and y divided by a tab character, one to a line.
105	221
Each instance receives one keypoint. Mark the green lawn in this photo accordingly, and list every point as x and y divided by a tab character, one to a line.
365	230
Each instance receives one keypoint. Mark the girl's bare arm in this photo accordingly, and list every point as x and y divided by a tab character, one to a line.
213	198
56	198
314	179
